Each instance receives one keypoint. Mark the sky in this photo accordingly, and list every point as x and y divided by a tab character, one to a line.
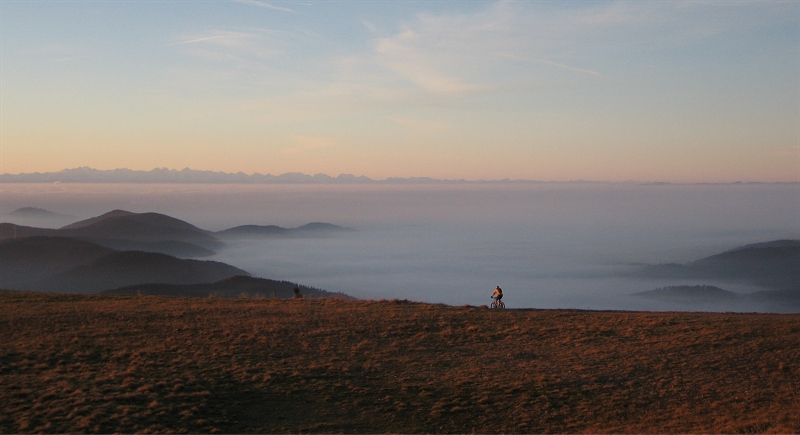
672	91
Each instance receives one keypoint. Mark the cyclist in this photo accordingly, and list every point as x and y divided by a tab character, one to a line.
498	294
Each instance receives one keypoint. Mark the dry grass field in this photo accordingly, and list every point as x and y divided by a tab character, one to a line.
92	363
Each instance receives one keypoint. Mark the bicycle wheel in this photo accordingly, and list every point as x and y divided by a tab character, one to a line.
501	304
493	305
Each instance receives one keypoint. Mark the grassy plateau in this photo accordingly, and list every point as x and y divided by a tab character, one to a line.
104	363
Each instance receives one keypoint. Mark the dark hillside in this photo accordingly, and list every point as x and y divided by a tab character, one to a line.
25	260
784	243
231	287
120	269
104	364
314	229
770	266
124	230
149	227
96	219
244	231
14	231
169	247
321	227
773	265
689	293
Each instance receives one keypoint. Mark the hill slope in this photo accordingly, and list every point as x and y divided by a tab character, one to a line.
124	230
143	227
25	260
120	269
313	229
103	364
690	293
231	287
65	264
774	265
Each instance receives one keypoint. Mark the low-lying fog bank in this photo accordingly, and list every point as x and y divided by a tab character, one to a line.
548	245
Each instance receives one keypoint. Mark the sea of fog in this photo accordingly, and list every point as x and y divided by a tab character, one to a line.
548	245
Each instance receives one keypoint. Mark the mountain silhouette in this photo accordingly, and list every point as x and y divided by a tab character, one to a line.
96	219
71	265
690	293
124	230
774	265
25	260
14	231
120	269
145	227
314	229
39	213
231	287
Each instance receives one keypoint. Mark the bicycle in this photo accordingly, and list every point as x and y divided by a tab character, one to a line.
497	303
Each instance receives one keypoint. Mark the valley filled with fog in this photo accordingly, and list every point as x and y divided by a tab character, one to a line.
548	245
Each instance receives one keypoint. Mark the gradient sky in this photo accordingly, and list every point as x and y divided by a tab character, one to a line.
680	91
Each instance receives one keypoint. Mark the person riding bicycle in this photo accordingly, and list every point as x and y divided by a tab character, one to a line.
498	294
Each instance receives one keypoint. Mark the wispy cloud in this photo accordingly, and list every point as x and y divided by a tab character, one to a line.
242	47
263	5
206	38
556	64
409	55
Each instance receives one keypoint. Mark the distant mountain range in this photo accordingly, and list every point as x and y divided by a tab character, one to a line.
164	175
86	174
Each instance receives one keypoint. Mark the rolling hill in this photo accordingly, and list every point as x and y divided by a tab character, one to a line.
231	287
774	265
126	268
142	227
26	260
38	217
124	230
690	293
64	264
314	229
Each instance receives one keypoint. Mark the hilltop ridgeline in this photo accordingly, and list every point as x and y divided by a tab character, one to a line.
774	264
314	229
154	232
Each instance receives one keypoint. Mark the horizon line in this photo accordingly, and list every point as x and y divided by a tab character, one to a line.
164	175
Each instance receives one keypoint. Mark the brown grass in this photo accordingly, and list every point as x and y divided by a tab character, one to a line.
78	363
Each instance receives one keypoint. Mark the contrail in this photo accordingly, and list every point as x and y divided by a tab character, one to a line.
547	62
263	5
192	41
